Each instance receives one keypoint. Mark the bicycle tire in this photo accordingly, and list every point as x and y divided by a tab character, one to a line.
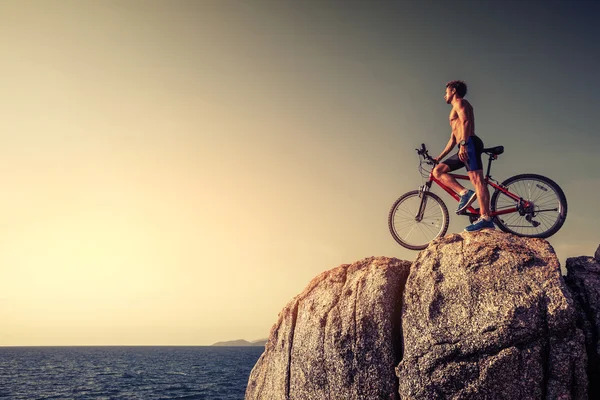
553	219
431	219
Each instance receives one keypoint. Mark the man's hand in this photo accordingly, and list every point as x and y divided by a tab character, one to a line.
462	154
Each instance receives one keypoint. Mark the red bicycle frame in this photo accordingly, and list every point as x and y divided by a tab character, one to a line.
470	209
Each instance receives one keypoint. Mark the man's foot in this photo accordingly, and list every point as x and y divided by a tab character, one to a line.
465	201
480	224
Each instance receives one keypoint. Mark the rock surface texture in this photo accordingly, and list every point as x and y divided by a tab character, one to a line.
488	316
483	315
583	277
338	339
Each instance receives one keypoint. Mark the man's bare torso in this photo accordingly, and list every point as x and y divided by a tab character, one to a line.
455	120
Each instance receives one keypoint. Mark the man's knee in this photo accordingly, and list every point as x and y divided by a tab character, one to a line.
476	176
439	170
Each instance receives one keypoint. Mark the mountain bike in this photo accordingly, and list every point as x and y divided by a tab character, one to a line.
527	205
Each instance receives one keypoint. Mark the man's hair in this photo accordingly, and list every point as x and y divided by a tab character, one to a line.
460	86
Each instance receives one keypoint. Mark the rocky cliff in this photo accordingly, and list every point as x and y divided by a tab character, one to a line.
340	337
488	315
583	278
482	315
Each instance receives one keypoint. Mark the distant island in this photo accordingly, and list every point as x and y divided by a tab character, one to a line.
242	342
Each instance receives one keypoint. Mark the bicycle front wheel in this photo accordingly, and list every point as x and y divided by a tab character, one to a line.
545	215
413	231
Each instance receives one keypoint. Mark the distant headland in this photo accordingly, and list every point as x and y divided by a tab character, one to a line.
242	342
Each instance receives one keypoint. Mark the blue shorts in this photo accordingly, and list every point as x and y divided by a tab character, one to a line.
474	150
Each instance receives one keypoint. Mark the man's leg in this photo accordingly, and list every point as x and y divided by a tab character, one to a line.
484	202
441	172
483	194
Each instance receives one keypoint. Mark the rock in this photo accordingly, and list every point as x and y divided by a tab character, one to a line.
487	315
338	339
597	254
583	277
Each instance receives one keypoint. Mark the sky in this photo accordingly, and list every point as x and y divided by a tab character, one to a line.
174	172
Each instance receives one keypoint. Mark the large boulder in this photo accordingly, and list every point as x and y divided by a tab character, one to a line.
483	315
338	339
487	315
583	277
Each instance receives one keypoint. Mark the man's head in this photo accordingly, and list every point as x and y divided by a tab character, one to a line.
455	89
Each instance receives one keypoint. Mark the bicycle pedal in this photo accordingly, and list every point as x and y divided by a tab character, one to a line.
466	212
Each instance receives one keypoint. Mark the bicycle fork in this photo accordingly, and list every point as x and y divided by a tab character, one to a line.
422	190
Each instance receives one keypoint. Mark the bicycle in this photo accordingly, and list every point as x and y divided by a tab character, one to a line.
527	205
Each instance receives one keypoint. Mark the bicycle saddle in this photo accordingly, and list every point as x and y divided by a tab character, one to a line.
494	150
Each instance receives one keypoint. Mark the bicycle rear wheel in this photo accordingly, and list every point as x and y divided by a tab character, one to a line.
543	218
411	232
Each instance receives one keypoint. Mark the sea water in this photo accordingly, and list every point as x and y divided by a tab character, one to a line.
145	373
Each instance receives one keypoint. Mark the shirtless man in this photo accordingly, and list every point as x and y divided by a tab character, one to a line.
470	147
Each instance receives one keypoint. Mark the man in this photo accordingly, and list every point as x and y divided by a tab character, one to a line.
470	147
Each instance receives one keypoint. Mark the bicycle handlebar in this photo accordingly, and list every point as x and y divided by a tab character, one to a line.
423	152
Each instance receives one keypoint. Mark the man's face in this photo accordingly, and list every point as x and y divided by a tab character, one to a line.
449	95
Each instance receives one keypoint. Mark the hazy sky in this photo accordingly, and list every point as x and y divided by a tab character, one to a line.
175	172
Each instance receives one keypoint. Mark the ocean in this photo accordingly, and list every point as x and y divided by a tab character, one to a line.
144	373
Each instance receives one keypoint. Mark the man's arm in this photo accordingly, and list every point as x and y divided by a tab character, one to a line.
448	149
466	122
464	128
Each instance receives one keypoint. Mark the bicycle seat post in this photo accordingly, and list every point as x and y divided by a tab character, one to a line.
489	168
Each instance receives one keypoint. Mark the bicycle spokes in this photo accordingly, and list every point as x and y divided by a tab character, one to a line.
540	210
415	219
